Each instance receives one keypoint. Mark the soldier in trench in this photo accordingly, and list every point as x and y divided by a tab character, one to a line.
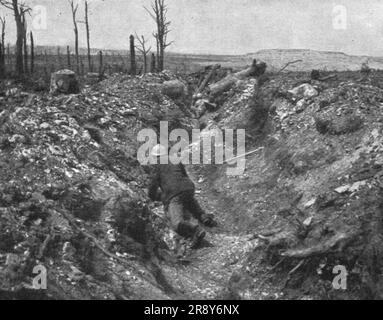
171	185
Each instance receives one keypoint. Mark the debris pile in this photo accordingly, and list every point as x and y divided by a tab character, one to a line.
73	198
213	91
72	194
318	183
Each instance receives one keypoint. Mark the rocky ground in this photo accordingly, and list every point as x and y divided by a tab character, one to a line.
73	199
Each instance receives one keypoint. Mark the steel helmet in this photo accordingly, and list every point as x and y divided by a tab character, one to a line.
159	150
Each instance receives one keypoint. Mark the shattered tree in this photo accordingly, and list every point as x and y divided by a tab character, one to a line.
144	51
133	63
19	9
74	9
32	41
90	66
158	12
2	47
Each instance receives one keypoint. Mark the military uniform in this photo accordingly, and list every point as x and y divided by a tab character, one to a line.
177	195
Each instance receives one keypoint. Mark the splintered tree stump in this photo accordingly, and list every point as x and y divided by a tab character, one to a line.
64	81
255	70
206	80
223	85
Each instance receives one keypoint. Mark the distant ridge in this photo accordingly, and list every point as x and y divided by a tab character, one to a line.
311	59
297	51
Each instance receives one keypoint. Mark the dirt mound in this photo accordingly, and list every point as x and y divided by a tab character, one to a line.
313	197
72	193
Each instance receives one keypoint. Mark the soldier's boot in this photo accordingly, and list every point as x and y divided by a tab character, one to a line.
208	220
198	236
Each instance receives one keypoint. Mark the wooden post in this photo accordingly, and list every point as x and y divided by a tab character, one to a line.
133	66
144	50
68	57
74	12
32	53
2	47
90	66
159	15
59	57
153	63
1	60
9	54
209	76
19	63
100	66
25	48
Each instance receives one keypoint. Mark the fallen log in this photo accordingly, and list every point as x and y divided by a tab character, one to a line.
207	79
223	85
337	243
255	70
315	75
329	77
283	238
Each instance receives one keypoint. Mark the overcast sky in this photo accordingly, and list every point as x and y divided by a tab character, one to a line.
223	26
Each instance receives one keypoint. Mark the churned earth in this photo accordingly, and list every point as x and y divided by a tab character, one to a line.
73	195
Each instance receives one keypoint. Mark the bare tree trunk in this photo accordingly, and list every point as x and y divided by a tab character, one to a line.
19	10
2	47
2	73
76	49
74	12
19	53
100	64
144	51
161	59
145	63
32	53
19	40
3	23
210	75
25	47
158	54
158	14
133	66
88	36
68	57
153	63
59	57
9	58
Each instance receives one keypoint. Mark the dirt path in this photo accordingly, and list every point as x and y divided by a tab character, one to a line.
211	267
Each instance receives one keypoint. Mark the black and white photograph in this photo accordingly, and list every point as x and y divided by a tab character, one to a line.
206	151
